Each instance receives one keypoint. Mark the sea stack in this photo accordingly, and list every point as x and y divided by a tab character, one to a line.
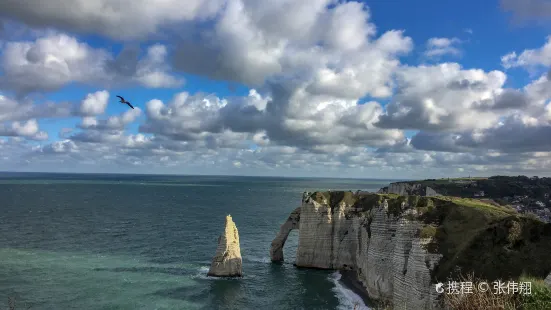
227	261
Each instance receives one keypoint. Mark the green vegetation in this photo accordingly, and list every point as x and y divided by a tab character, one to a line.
538	299
428	231
496	187
334	198
490	241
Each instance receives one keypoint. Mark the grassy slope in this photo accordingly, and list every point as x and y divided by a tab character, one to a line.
474	237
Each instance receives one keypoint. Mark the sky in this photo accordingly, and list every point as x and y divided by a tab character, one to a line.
317	88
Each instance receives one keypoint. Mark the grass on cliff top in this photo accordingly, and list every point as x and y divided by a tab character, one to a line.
366	201
539	297
491	241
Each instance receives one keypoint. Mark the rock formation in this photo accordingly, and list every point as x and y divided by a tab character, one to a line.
401	246
276	250
227	261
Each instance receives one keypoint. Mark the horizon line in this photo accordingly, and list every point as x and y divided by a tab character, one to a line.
202	175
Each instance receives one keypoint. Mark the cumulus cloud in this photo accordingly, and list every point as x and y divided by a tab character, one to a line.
529	58
327	93
19	118
17	110
295	118
110	129
62	146
333	48
507	121
110	17
56	60
153	71
92	104
438	47
445	97
517	133
28	129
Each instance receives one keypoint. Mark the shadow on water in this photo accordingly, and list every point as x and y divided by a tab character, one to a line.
306	288
217	294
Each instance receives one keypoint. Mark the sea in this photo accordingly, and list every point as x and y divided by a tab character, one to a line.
108	241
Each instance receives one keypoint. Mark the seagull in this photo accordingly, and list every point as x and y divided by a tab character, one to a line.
124	101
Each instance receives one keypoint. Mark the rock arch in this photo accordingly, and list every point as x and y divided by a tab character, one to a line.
276	250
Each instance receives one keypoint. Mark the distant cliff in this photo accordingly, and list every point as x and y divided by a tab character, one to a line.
409	188
400	246
491	187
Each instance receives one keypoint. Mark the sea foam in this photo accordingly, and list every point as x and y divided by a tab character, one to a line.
347	298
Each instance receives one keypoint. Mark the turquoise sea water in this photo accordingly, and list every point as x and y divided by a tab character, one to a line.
145	242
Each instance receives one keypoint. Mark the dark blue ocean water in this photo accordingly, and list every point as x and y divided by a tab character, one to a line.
145	242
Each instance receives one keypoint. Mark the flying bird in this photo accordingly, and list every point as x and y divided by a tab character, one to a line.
124	101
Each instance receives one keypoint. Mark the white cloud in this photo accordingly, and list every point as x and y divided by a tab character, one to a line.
119	19
529	58
302	120
92	104
445	97
63	146
333	49
95	104
153	70
56	60
24	109
28	129
108	130
438	47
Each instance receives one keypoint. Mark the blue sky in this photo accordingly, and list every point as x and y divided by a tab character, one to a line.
233	51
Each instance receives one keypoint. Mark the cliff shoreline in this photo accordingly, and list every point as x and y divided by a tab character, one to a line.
400	246
350	280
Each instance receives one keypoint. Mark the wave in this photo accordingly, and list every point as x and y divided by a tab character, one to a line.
257	259
202	274
347	298
252	259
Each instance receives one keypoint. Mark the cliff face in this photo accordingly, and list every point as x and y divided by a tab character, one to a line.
227	261
400	246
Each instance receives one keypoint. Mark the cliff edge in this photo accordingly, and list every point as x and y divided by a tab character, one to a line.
227	261
400	246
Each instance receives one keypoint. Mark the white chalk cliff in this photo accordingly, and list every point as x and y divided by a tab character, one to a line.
227	261
382	243
276	250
